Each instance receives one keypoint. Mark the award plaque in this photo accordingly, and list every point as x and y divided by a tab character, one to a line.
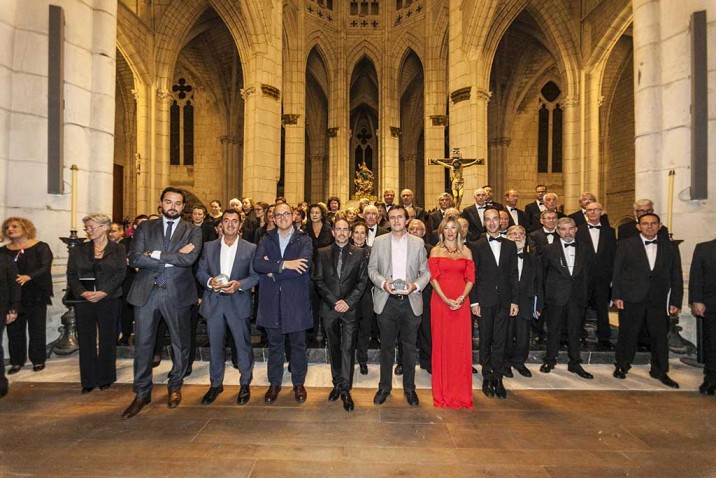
399	286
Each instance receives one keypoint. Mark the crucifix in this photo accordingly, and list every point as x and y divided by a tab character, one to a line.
456	164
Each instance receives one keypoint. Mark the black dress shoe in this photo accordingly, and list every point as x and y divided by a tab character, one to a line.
3	391
524	371
487	388
39	367
412	398
666	380
581	372
508	372
156	360
380	397
188	371
546	368
500	391
105	387
299	393
211	395
707	388
86	390
135	407
174	398
619	373
363	369
272	393
398	369
244	395
348	404
333	396
14	369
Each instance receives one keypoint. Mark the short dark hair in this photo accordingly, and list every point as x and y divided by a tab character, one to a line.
172	189
399	207
333	198
320	207
491	208
199	206
652	214
344	220
231	211
215	201
359	224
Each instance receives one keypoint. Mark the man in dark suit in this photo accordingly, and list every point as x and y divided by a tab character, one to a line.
474	215
530	302
433	220
630	229
373	230
10	293
494	299
164	252
389	199
283	259
534	209
227	303
517	216
408	198
602	242
398	268
546	234
490	199
567	266
702	298
580	216
647	273
340	276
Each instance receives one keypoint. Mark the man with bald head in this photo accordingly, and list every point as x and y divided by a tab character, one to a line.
371	217
517	216
475	215
408	199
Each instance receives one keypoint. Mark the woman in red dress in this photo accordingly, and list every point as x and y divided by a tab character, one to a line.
452	273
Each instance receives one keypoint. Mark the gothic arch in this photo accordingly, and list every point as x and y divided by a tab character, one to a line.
134	54
364	49
606	44
407	42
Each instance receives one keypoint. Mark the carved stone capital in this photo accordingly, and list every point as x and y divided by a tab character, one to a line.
461	94
395	131
289	119
481	94
439	120
271	91
246	92
570	102
332	132
135	93
164	95
600	101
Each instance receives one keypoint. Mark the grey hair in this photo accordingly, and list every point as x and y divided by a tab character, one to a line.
99	219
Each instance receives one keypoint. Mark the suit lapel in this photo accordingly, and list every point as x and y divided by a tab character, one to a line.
237	258
179	228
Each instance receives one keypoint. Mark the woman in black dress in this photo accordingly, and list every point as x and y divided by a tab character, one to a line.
95	272
33	259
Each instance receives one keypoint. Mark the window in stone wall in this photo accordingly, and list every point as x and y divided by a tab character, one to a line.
363	8
324	3
181	125
402	4
549	130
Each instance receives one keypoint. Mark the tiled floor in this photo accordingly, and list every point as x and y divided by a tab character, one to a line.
550	426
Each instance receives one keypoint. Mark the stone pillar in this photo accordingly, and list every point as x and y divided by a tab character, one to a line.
572	163
498	165
143	155
161	139
295	151
434	149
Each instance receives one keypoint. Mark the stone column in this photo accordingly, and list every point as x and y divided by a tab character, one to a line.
498	165
572	164
434	149
295	151
143	155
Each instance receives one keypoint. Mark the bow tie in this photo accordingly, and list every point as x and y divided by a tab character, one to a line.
540	203
570	244
513	209
646	243
553	234
371	229
521	255
481	207
498	239
594	227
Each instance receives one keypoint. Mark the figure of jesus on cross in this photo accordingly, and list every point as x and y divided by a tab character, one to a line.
456	164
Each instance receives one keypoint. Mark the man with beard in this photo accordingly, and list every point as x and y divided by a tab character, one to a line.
164	252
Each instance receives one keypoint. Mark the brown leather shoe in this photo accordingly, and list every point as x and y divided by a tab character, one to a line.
174	399
300	393
272	393
136	406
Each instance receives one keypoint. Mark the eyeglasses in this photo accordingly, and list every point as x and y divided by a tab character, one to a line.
92	228
279	215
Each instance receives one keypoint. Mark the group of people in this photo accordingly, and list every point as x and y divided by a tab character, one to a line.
422	278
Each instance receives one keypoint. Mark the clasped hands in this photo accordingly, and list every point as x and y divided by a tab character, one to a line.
93	296
387	287
225	288
454	304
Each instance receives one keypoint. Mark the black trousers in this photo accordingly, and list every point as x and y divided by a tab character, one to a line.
98	367
425	336
398	318
365	320
33	319
558	316
277	356
517	347
599	300
341	333
493	323
709	338
631	319
127	321
3	378
162	330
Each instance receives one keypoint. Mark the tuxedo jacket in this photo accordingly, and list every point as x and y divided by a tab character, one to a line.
495	286
379	231
149	237
603	259
628	229
521	217
10	290
495	204
538	240
633	281
476	226
530	285
702	278
532	211
419	212
242	271
349	287
579	219
380	268
561	287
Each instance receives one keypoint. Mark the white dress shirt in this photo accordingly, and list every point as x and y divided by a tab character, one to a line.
651	250
570	255
496	247
594	232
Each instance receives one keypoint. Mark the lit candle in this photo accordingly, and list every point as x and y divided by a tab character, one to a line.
670	201
73	218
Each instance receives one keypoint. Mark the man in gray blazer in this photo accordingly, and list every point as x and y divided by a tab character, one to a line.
163	251
227	303
398	268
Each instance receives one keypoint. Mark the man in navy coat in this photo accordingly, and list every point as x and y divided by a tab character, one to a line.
227	303
283	258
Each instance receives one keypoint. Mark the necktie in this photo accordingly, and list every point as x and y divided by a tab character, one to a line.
646	243
340	262
161	280
594	227
570	244
498	239
521	255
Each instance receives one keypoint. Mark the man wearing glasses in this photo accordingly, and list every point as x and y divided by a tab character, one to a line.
630	229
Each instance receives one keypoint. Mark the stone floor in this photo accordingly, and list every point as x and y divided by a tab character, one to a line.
550	426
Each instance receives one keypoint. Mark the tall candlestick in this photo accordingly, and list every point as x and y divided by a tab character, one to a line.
73	219
670	200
